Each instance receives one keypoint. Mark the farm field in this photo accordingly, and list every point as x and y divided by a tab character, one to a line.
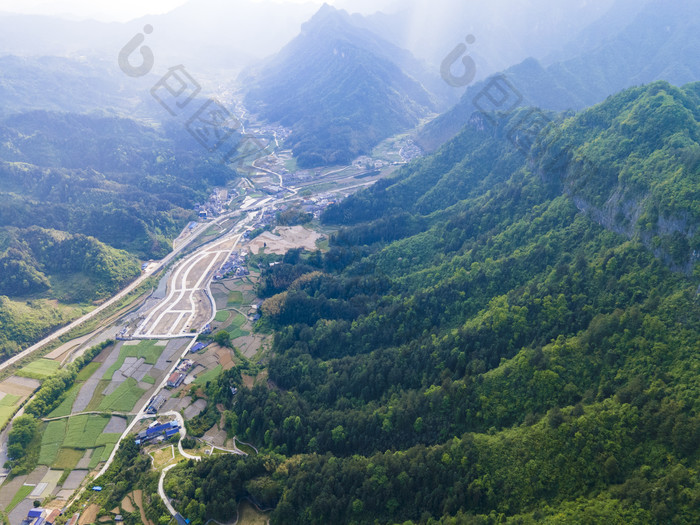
64	409
235	298
209	375
8	405
39	369
13	391
148	350
123	398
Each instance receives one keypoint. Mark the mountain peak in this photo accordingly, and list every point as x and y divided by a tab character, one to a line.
327	16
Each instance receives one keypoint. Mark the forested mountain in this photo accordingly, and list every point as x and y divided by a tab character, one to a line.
63	84
659	43
476	347
81	198
340	88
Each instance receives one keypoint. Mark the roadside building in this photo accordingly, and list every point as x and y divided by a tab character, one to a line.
155	405
175	379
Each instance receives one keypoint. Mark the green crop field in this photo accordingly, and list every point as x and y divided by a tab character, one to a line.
54	432
235	298
148	379
123	398
87	371
83	431
51	439
238	321
107	451
208	376
48	453
8	405
221	316
39	369
146	349
107	439
65	407
96	457
68	458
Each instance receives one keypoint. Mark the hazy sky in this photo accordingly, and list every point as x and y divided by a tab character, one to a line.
105	10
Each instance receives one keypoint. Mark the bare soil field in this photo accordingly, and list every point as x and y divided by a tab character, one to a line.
19	386
89	515
285	238
225	359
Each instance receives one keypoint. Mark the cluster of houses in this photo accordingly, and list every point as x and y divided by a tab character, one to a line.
233	267
316	205
178	376
157	432
410	151
368	163
39	516
216	205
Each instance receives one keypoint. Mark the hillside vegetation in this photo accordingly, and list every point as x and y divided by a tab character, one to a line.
478	347
82	199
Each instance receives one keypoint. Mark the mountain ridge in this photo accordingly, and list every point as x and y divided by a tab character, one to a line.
365	96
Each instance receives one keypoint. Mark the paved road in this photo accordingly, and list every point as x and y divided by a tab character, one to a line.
161	491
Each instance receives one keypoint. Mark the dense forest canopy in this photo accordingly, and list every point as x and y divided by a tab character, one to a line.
478	347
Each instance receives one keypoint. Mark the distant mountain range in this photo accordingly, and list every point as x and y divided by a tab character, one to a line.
340	88
660	43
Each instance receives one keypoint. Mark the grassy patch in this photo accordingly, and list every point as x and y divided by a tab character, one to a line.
163	456
237	332
23	492
148	379
55	431
249	515
96	457
235	298
209	375
8	405
221	316
107	451
146	349
87	371
107	439
123	398
246	448
323	244
66	405
238	321
82	431
48	453
39	369
68	458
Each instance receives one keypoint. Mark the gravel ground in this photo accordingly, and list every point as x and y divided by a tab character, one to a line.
195	408
74	479
20	511
116	425
165	361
